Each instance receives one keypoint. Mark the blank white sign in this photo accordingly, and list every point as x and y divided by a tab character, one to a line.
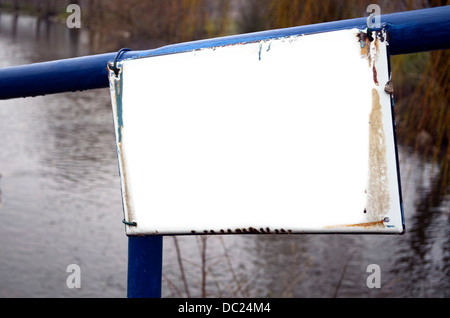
287	135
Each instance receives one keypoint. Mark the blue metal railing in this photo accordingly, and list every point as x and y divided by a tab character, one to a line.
409	32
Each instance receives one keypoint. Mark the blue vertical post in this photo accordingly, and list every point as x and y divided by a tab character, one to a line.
144	266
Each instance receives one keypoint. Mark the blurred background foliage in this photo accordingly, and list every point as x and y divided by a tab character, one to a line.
421	80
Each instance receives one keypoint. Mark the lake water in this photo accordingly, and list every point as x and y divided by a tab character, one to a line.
61	205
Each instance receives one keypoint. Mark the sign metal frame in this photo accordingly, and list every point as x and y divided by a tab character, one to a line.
285	135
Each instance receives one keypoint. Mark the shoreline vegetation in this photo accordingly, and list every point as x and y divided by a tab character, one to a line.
421	80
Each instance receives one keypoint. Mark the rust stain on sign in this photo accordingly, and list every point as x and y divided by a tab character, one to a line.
370	49
364	40
377	205
249	230
375	76
367	225
378	184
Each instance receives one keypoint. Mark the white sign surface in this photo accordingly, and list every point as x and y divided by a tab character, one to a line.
287	135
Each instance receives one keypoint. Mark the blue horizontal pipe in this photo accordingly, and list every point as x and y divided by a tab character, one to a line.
410	31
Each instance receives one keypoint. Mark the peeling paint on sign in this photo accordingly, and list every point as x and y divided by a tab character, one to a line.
260	138
116	90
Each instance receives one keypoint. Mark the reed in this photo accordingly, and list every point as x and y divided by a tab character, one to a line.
422	94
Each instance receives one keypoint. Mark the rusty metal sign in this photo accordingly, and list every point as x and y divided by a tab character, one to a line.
283	135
